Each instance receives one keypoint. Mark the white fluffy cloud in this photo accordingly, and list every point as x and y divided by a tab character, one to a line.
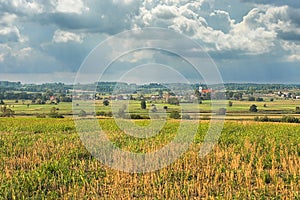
35	33
257	33
65	36
9	32
70	6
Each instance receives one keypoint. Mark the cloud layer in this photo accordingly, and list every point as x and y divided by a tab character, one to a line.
51	36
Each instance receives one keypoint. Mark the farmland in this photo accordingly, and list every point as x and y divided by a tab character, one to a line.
238	111
44	158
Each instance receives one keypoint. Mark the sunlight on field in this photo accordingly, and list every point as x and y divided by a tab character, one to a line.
44	158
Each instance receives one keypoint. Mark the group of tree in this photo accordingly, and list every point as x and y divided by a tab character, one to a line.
284	119
6	112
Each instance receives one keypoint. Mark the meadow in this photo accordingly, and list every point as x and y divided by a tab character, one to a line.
238	111
45	159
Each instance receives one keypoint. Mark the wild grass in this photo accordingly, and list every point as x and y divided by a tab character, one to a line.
45	159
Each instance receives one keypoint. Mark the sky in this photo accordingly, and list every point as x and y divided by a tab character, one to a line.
248	40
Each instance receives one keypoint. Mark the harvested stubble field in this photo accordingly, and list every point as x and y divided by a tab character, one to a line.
45	159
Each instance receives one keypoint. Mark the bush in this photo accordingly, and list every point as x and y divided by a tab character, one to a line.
173	101
290	119
221	111
297	111
54	114
230	104
251	98
106	102
143	104
136	116
6	112
104	114
259	99
285	119
186	116
100	113
82	113
175	115
253	108
41	116
153	109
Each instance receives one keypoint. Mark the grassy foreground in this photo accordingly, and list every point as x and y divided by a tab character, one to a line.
44	158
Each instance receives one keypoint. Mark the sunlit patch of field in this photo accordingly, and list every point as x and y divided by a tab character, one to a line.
44	158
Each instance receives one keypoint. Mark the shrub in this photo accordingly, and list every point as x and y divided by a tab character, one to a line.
82	113
54	114
230	104
104	114
41	116
143	104
221	111
153	109
100	113
136	116
251	98
259	99
297	111
286	119
106	102
6	112
290	119
186	116
253	108
175	115
109	114
173	101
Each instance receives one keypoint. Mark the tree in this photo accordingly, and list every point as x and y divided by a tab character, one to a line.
48	94
253	108
160	93
238	96
143	104
106	102
197	94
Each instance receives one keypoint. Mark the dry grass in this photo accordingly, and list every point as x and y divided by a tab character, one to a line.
251	161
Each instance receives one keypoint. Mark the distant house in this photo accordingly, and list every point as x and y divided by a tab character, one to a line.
207	91
52	98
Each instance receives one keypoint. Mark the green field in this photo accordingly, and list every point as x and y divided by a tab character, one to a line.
240	109
45	159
